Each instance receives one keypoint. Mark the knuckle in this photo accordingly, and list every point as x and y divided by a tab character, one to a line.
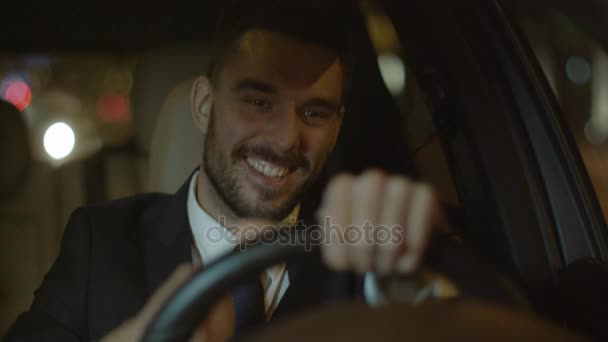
372	175
429	198
400	182
374	172
426	191
371	183
334	192
398	187
340	182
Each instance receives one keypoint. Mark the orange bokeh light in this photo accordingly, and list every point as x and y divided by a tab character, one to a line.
114	108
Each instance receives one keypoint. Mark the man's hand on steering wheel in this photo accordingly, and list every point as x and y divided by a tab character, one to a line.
214	328
373	222
377	222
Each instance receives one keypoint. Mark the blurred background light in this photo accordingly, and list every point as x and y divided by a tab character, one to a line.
114	108
380	28
578	70
596	132
596	128
393	72
59	140
17	92
38	61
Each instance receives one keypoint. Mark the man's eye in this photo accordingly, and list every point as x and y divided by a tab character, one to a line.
317	114
258	102
311	114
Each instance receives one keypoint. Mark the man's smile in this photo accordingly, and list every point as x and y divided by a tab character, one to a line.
270	176
266	168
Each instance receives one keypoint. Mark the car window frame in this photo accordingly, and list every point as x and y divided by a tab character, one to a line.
520	190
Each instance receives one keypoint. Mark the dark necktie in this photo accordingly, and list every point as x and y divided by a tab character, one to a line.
249	305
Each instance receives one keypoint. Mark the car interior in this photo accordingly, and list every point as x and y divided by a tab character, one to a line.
501	105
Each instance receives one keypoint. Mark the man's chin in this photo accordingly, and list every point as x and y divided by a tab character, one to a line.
270	210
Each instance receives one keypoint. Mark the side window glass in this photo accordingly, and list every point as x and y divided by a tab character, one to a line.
423	139
577	69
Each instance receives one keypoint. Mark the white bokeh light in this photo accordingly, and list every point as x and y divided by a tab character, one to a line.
393	72
578	70
59	140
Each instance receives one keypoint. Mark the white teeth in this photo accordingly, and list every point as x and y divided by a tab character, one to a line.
267	169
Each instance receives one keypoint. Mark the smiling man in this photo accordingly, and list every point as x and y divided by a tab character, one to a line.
271	114
270	110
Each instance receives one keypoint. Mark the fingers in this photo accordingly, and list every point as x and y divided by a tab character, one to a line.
367	200
219	325
133	329
421	220
335	216
394	213
376	222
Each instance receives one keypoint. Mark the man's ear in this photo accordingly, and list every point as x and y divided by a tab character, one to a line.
201	102
338	126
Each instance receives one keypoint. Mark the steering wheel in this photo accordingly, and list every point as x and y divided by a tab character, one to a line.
191	304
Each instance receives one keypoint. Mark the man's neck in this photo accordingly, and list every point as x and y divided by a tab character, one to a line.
211	202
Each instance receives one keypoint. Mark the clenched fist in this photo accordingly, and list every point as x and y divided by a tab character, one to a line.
377	222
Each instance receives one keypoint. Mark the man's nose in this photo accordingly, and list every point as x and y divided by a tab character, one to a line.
286	130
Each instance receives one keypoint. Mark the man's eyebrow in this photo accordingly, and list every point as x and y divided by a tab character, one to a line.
253	84
321	102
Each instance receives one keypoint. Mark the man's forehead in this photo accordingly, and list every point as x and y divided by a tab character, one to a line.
282	58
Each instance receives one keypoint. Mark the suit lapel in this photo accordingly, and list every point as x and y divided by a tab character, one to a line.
169	238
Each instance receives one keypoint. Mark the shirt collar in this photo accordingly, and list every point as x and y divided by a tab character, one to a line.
211	238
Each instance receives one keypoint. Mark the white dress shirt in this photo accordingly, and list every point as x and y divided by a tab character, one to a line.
212	241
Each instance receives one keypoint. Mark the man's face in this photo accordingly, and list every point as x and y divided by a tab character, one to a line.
275	116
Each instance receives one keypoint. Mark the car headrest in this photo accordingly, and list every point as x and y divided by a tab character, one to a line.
176	145
14	150
156	74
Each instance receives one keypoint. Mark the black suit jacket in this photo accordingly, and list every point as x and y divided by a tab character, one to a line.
115	255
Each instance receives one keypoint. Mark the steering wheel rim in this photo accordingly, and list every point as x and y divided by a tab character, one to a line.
194	300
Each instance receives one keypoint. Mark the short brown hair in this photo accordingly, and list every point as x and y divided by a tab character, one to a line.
324	23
